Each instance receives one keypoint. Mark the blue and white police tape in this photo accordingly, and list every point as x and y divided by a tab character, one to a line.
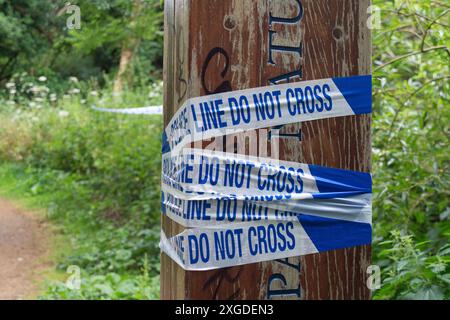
198	174
237	244
215	213
211	116
247	209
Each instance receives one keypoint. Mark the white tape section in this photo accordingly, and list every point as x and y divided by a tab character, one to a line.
245	209
204	249
144	110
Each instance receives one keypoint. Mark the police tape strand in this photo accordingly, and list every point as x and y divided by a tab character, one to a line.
143	110
237	244
214	115
215	213
244	209
196	172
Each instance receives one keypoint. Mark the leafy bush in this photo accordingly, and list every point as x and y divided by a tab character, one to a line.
108	286
98	175
410	150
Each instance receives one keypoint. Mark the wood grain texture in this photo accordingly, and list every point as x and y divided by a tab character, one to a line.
334	41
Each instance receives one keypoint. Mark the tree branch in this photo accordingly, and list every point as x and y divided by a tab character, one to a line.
412	54
422	45
397	112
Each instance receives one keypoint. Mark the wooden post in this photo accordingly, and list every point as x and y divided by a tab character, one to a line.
220	45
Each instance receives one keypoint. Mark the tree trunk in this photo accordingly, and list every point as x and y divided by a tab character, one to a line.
129	47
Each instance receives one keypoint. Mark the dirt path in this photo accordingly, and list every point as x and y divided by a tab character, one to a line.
24	247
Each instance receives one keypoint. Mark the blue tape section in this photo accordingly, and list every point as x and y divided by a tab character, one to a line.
332	195
165	143
163	205
357	91
331	234
333	182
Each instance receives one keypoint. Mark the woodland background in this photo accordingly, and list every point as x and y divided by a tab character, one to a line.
97	175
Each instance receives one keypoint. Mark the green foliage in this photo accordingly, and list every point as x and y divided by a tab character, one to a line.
25	26
107	23
109	286
411	272
35	38
410	149
98	175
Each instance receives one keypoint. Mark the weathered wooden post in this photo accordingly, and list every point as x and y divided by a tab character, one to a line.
222	45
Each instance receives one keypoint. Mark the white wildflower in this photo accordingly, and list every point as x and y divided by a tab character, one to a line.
94	93
63	113
73	79
32	104
152	94
74	91
42	79
13	91
53	97
157	85
10	85
82	101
